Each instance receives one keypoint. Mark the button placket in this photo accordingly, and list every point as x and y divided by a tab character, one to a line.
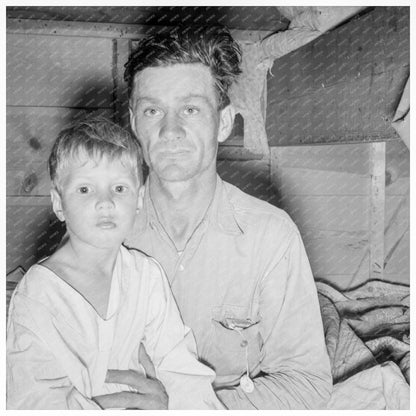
105	334
246	383
191	247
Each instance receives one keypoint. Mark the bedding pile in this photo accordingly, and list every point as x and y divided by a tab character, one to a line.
367	333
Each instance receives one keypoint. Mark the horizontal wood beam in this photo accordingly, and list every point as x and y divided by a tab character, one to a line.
105	30
43	201
237	153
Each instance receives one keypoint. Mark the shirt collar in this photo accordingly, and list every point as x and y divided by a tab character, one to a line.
221	212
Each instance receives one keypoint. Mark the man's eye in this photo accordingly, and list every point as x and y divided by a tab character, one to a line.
83	189
120	189
190	111
152	112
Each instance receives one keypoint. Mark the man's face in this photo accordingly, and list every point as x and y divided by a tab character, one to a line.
174	114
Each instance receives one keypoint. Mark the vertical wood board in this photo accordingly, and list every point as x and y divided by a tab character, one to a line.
378	167
121	51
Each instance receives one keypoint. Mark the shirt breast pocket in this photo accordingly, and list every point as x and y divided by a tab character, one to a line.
237	340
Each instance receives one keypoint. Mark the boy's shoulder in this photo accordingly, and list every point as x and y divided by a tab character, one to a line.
37	289
35	281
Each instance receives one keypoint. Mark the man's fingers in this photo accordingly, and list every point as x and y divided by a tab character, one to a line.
129	377
125	400
146	362
122	400
150	392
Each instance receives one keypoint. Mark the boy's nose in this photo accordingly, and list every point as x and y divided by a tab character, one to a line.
105	201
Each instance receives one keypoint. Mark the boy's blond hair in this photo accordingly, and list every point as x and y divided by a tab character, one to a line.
94	138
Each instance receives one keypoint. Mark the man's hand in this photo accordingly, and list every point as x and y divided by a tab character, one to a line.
151	395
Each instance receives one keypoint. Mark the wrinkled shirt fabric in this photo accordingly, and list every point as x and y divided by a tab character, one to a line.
244	285
59	349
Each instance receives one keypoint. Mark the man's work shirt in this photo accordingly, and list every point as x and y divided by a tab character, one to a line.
244	285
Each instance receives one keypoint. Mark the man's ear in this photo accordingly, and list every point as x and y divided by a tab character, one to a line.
132	121
140	198
57	204
227	115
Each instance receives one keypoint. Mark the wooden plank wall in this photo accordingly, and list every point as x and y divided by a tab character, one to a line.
58	72
334	192
337	165
51	81
327	190
397	213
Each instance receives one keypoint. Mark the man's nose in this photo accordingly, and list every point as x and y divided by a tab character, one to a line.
171	128
105	200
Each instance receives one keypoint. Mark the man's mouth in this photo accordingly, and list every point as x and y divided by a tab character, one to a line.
174	152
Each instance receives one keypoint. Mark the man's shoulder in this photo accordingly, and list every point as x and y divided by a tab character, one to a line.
139	256
254	211
148	265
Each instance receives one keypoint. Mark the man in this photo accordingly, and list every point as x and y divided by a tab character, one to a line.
236	265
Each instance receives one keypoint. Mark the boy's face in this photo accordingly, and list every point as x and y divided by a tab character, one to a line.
98	201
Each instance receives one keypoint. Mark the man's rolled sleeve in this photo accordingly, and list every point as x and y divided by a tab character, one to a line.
295	370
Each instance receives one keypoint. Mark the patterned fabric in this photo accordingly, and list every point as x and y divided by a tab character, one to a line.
366	326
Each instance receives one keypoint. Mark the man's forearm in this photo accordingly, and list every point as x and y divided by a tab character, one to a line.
284	390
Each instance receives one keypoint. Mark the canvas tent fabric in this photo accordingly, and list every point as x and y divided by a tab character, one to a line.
248	94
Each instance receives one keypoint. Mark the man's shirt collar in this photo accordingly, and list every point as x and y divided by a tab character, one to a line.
221	213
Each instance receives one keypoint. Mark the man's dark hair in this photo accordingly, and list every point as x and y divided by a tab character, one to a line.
213	47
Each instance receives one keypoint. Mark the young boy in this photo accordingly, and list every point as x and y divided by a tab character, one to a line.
87	308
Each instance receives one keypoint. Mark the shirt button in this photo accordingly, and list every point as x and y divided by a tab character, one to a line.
247	384
244	343
181	268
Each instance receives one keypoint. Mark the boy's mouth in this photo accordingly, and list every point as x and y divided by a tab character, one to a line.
106	224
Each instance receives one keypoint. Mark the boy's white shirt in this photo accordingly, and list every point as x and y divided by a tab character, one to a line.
59	349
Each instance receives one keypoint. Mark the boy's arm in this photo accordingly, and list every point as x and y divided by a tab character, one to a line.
35	379
171	346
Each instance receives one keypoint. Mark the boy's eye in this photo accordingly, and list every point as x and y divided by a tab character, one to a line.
120	189
191	110
83	189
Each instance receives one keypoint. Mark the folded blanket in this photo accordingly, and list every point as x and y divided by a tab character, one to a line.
377	388
366	326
